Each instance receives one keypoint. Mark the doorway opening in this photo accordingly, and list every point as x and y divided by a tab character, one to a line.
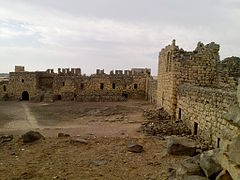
59	97
124	94
25	96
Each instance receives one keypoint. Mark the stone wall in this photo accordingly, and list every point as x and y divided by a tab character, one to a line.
101	87
3	90
152	90
203	110
198	88
167	79
70	84
20	82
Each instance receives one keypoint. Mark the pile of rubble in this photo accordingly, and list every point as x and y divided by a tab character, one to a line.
158	123
220	163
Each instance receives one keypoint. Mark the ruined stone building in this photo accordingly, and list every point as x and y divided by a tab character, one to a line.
194	86
199	89
70	84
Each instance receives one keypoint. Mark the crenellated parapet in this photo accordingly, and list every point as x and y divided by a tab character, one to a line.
50	71
68	71
118	72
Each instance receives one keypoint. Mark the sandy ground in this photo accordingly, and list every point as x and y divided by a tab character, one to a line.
108	127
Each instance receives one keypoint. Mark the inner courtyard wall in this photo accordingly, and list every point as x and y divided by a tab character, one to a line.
70	84
88	88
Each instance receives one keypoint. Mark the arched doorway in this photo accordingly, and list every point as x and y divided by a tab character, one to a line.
59	97
125	94
25	96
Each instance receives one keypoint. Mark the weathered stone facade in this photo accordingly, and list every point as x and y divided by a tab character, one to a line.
71	85
199	89
3	89
152	90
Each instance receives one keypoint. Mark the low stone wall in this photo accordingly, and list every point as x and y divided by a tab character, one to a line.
203	110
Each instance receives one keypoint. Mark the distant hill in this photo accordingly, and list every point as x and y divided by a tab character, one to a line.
4	75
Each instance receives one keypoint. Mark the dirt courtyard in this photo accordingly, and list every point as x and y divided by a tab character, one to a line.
106	126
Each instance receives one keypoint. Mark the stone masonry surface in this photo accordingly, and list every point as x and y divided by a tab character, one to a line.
199	89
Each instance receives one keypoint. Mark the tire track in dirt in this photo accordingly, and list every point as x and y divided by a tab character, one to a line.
28	120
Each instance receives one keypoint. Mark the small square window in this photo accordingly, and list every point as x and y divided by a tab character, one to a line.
63	83
22	80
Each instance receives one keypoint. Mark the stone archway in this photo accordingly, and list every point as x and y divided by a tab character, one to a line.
25	96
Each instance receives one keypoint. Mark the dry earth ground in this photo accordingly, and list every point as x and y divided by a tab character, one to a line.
107	127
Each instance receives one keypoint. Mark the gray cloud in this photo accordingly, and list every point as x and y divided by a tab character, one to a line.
110	34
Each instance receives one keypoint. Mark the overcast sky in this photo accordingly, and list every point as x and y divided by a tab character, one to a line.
111	34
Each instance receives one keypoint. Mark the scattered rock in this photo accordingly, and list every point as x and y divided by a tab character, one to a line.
63	135
224	175
209	164
134	147
180	146
77	140
158	123
190	166
194	177
234	150
171	173
6	138
99	162
31	136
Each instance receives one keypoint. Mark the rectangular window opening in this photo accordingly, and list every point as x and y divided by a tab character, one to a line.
195	130
179	113
218	142
135	86
63	83
101	86
114	86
